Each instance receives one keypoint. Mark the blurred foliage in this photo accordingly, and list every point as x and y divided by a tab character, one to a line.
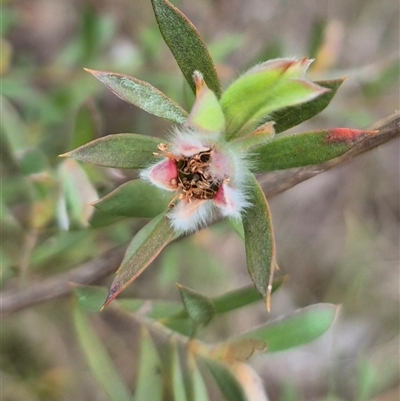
50	106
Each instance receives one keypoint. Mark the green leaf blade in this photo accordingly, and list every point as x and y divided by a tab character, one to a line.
99	361
143	249
298	328
259	242
186	45
199	308
118	150
269	86
149	384
289	117
308	148
142	94
135	198
225	379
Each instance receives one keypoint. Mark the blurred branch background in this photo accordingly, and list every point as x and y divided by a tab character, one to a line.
337	234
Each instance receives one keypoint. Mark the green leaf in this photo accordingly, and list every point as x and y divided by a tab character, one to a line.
186	45
236	299
135	198
305	149
143	249
78	193
197	390
206	114
199	308
259	242
266	87
224	303
143	95
225	379
178	385
298	328
90	298
149	384
118	150
289	117
98	360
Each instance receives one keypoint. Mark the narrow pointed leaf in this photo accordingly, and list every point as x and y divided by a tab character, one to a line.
229	301
143	95
118	150
149	384
178	385
100	363
227	382
135	198
197	390
289	117
259	242
206	114
298	328
186	45
179	319
199	308
269	86
308	148
143	249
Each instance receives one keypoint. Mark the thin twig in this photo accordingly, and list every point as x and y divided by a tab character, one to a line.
59	286
92	272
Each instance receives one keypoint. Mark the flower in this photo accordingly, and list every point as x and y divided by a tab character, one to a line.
207	174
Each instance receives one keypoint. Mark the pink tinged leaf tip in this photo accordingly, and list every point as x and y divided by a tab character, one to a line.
347	135
163	175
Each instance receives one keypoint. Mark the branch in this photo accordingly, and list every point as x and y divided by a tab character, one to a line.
59	286
92	272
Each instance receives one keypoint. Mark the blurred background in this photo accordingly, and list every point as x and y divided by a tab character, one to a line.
337	234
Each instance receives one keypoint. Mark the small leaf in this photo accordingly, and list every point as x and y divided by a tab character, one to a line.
135	198
186	45
206	114
99	361
308	148
78	192
142	250
197	390
142	94
298	328
225	379
227	302
149	384
236	299
118	150
199	308
266	87
178	385
289	117
259	242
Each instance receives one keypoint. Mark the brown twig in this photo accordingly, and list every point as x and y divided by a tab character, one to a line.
59	286
92	272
